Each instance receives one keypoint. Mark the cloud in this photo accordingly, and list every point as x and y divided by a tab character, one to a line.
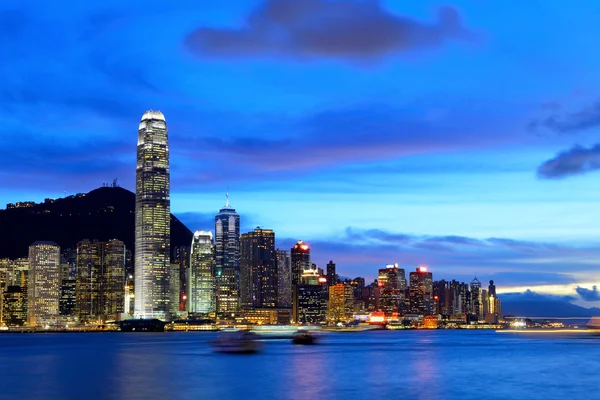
588	294
346	29
510	262
575	161
574	122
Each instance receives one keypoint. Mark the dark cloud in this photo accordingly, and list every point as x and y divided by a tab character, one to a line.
588	294
347	29
581	120
575	161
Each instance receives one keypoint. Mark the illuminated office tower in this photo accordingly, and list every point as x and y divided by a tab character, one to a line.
258	269
87	287
152	219
300	257
43	293
341	302
100	283
476	300
310	297
227	259
14	311
284	279
201	275
391	281
113	279
421	292
174	289
181	255
494	312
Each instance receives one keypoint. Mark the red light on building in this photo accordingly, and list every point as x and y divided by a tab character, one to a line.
304	247
322	279
435	297
422	269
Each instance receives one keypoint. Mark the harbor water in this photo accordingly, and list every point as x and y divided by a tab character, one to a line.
437	364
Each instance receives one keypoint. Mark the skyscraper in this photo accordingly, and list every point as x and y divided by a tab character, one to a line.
100	285
476	303
392	287
201	275
284	279
300	260
331	275
43	283
227	259
258	269
421	292
152	218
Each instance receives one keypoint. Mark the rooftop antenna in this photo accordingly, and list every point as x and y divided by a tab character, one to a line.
226	199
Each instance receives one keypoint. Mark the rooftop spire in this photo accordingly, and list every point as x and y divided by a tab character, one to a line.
226	199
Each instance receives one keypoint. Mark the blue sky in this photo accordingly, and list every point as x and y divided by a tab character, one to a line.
461	135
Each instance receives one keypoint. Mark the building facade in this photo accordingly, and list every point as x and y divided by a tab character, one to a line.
392	288
100	283
201	275
300	259
421	292
43	295
152	219
258	269
284	279
227	259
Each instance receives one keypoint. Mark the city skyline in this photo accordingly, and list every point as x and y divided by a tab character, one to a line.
441	157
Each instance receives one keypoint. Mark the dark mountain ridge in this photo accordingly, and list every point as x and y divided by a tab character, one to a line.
104	213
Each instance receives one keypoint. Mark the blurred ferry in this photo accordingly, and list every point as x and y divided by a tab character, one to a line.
594	323
236	342
275	331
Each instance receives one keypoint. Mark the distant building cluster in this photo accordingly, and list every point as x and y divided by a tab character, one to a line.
220	276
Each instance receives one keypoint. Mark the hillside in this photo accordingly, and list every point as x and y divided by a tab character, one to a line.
105	213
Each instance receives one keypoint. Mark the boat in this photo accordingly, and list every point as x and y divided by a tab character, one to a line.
594	323
275	331
142	325
304	337
352	328
236	342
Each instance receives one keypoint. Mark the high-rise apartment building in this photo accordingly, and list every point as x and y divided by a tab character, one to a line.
201	274
43	295
152	219
227	259
284	279
258	269
421	292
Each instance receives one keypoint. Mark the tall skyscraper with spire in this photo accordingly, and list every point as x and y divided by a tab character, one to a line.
227	258
152	218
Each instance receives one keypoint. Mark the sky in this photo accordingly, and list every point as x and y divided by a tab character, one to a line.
460	135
